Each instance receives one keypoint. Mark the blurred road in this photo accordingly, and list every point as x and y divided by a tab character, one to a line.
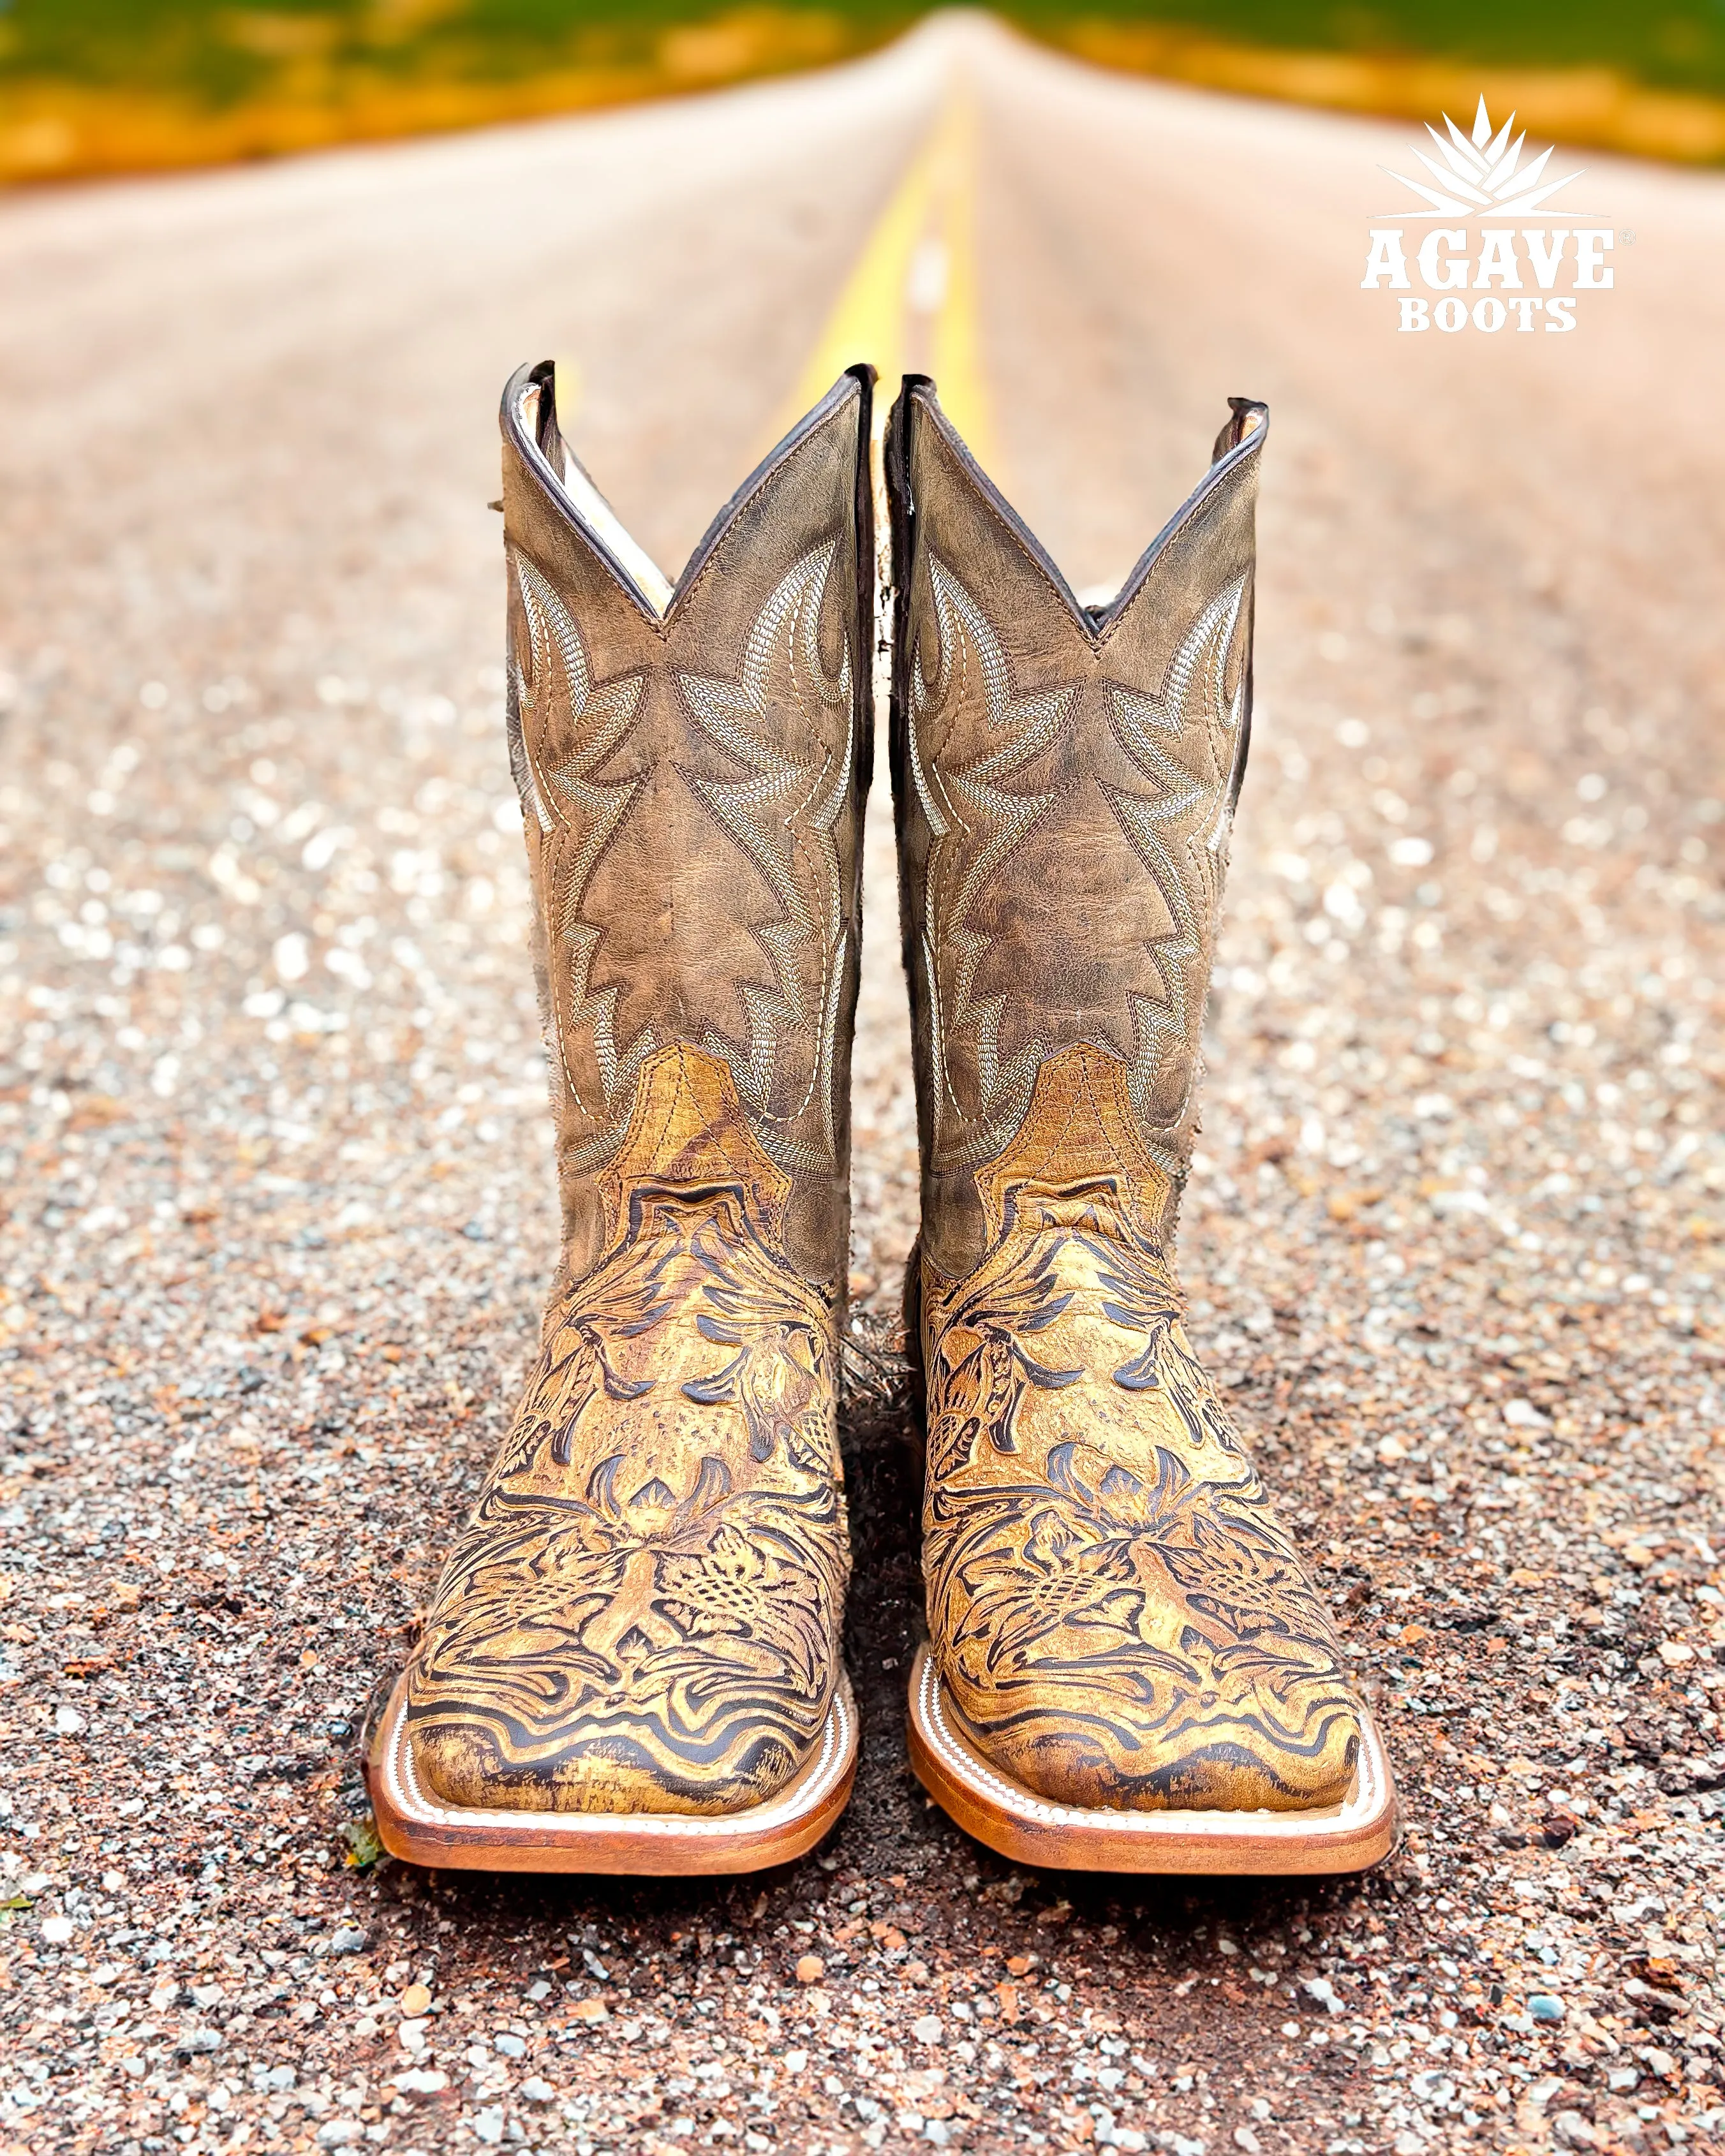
279	1215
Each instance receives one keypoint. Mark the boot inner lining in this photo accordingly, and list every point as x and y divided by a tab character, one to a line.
600	518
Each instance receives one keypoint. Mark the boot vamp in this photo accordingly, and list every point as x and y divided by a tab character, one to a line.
1118	1616
643	1612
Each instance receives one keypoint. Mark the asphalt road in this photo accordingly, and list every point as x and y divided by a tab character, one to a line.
276	1168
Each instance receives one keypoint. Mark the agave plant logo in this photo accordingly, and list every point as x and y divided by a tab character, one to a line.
1513	267
1483	174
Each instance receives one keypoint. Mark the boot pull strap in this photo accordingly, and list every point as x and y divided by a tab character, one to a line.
1249	415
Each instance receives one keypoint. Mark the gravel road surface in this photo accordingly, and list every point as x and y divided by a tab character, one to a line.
276	1175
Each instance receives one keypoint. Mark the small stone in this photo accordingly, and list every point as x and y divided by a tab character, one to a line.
1290	2028
56	1931
415	2001
810	1970
927	2029
198	2043
488	2125
1523	1414
534	2090
1544	2006
590	2009
422	2080
511	2047
1673	1653
349	1940
68	1722
339	2133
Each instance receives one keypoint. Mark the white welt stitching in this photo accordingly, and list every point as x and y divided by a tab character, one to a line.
403	1781
1329	1823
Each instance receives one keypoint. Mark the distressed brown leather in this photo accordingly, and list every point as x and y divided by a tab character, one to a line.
1117	1617
642	1613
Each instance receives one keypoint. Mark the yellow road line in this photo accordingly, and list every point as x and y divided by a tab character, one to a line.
955	341
911	297
867	319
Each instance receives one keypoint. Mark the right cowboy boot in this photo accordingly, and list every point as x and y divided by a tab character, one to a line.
631	1662
1128	1667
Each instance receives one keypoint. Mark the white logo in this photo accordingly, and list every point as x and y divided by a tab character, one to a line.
1482	176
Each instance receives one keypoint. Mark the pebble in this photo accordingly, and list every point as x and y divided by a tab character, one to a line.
810	1968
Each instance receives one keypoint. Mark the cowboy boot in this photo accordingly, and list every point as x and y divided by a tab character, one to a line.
1128	1667
631	1662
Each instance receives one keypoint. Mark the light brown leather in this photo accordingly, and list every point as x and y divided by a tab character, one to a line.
1116	1615
642	1613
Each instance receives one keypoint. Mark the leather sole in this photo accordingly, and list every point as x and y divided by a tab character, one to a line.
1016	1823
415	1826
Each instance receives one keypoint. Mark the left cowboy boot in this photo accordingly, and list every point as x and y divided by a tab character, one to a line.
631	1662
1128	1667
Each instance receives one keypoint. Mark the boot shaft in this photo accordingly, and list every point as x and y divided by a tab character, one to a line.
1064	782
692	765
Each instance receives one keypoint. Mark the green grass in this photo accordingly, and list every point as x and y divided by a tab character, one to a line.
221	52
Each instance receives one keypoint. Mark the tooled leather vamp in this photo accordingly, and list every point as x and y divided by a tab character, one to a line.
1117	1613
642	1613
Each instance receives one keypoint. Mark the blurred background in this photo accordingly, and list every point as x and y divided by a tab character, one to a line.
116	86
277	1210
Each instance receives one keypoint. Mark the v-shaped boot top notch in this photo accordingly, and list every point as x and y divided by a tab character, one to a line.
1237	445
529	420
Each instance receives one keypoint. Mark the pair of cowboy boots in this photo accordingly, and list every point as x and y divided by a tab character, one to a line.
633	1661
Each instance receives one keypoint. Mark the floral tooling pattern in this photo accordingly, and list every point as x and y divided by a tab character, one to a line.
642	1613
1118	1617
